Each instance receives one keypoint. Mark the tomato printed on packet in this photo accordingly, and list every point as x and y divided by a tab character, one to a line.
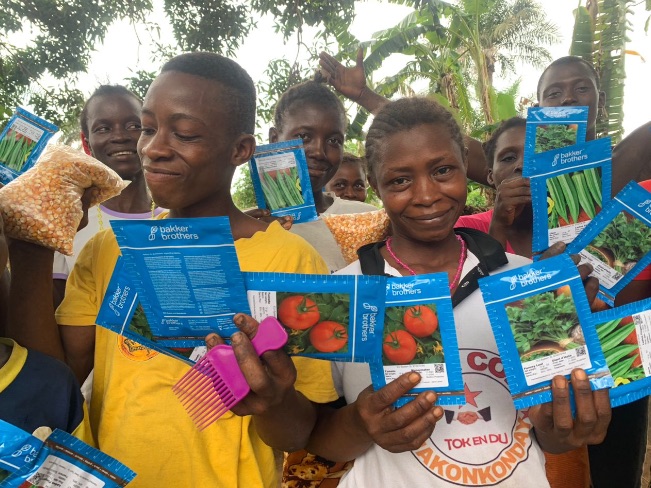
419	335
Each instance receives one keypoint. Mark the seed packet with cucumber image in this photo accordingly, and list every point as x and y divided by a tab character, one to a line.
540	316
617	243
419	335
281	181
569	186
551	128
625	335
21	143
186	274
334	317
60	460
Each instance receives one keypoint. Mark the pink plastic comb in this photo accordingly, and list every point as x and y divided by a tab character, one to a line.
215	384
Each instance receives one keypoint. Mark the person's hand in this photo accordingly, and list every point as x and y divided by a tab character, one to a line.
557	431
402	429
590	283
270	376
264	214
350	82
511	197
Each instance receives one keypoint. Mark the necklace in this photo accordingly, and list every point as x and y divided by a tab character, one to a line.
462	259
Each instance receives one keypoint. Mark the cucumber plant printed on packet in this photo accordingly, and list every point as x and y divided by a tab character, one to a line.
281	180
59	460
625	335
419	335
21	143
617	243
540	316
186	274
334	317
569	187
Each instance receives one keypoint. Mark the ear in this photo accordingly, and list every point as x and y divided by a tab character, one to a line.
243	149
85	145
273	134
489	178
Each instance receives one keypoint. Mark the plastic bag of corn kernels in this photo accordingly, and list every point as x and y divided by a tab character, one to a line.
44	205
352	231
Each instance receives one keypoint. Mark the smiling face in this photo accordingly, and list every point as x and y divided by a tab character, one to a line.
571	84
348	183
421	179
188	149
509	152
113	131
322	131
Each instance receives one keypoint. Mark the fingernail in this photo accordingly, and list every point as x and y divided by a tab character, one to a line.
414	378
430	397
560	245
559	382
438	411
211	340
236	338
579	374
239	319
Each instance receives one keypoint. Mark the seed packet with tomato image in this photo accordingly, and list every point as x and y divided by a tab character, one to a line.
334	317
540	316
617	243
186	274
625	335
551	128
419	335
569	186
21	143
281	181
59	460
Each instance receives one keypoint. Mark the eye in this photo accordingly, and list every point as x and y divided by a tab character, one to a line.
400	181
304	136
335	141
443	171
134	126
102	129
359	186
186	138
553	94
508	158
147	131
582	89
339	185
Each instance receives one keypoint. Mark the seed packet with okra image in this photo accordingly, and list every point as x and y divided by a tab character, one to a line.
617	243
569	186
625	335
281	181
540	316
186	274
554	127
21	143
419	335
334	317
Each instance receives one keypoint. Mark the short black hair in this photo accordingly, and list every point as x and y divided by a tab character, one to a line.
307	93
568	60
403	115
103	90
491	143
350	158
241	97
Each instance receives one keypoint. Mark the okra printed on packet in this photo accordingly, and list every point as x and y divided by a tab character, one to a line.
186	274
617	243
21	143
334	317
60	460
419	335
281	180
569	187
540	316
625	335
550	128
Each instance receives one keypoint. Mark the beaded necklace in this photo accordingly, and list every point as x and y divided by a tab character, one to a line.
462	259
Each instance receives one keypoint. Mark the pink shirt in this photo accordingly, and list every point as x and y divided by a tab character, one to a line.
482	222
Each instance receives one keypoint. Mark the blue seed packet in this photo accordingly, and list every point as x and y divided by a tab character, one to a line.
186	274
60	460
625	335
419	335
617	243
281	180
540	316
551	128
21	143
569	187
334	317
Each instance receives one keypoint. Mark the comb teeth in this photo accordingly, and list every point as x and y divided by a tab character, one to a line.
212	387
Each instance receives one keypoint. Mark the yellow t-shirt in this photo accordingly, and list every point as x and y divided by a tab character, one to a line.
134	414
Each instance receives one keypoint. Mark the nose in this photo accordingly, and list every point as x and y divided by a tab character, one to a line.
154	147
425	191
349	192
315	148
568	98
120	134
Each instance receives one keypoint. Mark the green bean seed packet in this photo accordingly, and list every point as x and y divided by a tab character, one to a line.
281	181
625	336
569	187
21	143
540	316
551	128
617	243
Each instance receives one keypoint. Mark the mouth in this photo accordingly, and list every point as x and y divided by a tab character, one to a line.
429	217
127	152
154	175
